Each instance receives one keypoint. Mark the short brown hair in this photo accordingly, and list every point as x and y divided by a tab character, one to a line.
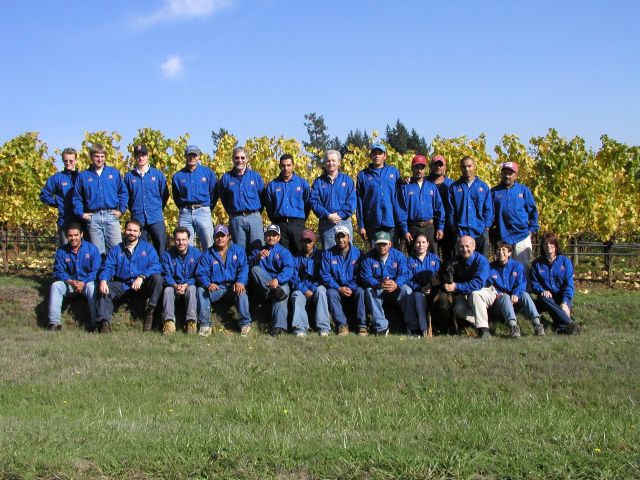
550	238
97	148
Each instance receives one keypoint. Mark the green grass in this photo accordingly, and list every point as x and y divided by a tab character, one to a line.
134	405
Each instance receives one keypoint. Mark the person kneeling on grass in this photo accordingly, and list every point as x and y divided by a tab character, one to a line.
131	268
508	278
551	278
75	267
223	272
179	265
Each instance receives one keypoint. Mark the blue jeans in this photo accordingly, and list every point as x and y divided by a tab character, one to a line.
199	224
104	230
59	290
415	310
300	322
279	309
247	227
206	298
158	235
508	310
337	303
552	305
374	298
169	303
327	231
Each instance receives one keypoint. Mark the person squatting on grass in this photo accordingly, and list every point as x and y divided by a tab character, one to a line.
75	267
179	265
223	273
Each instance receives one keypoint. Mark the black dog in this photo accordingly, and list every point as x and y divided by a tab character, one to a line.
442	317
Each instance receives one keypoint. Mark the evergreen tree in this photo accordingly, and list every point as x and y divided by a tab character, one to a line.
216	137
317	131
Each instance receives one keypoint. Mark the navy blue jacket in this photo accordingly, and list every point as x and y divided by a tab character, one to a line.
148	195
556	277
515	212
376	197
471	275
509	279
373	271
178	270
83	265
93	192
470	208
279	264
287	199
420	203
194	188
119	266
241	193
329	197
58	192
337	271
213	269
306	275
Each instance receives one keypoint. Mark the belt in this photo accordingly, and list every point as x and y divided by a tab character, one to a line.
246	213
108	210
288	220
421	223
193	206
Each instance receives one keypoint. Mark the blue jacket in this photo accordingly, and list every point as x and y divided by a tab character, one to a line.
120	267
148	195
376	197
213	269
337	197
337	271
421	271
93	192
58	192
470	208
82	266
556	278
241	193
279	264
515	212
509	279
178	270
443	188
471	275
416	203
307	272
287	199
194	188
373	271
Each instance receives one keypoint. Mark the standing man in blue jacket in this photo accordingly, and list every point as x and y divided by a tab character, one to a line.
148	195
179	265
100	198
58	193
286	199
420	206
333	199
130	268
515	214
240	191
376	185
75	267
272	269
384	275
471	207
195	194
438	176
338	274
223	273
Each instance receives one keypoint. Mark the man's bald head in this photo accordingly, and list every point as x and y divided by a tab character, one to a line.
466	246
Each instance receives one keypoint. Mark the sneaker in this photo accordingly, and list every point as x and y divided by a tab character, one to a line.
278	294
383	333
301	334
277	331
54	327
363	332
204	331
343	331
105	327
324	333
148	320
572	329
192	327
515	331
538	330
244	331
483	334
169	327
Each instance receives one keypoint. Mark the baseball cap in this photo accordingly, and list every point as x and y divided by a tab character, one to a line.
140	150
220	229
419	160
272	228
382	237
308	235
192	149
378	146
344	230
510	165
438	158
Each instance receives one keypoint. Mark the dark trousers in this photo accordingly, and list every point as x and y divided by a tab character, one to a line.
552	306
447	245
158	235
429	231
290	235
151	289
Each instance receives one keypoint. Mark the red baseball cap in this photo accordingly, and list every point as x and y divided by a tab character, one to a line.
510	165
438	158
419	160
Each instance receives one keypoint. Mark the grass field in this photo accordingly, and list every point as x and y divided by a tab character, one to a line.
134	405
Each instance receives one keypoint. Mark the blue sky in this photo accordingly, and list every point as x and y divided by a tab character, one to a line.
256	67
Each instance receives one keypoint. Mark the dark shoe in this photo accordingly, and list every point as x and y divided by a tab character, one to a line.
383	333
277	331
278	294
515	331
148	320
571	329
105	327
483	334
538	330
54	327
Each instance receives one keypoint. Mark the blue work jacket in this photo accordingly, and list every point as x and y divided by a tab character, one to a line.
472	274
287	199
241	193
376	197
148	195
120	266
556	277
178	269
373	271
58	192
420	203
470	208
421	271
509	278
279	264
337	271
515	212
306	275
213	269
93	192
83	265
194	188
329	197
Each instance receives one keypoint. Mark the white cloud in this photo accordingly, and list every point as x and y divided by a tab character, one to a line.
173	66
173	10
